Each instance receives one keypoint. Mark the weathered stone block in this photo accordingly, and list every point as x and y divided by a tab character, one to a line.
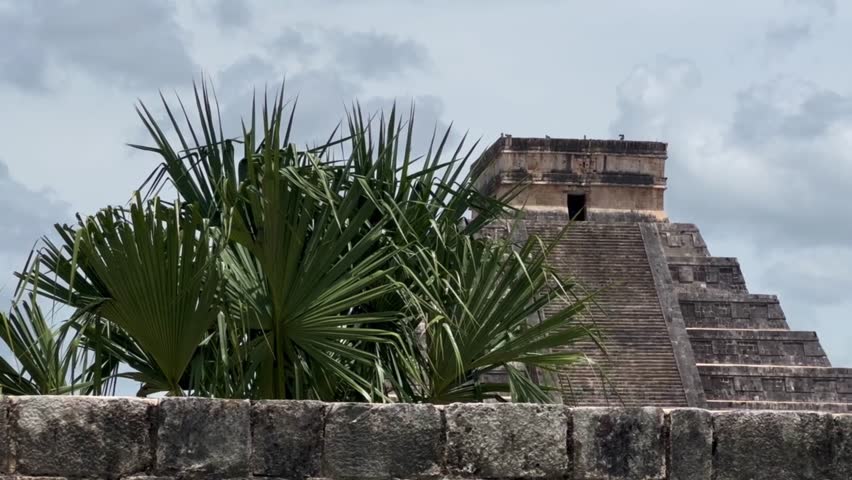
758	312
842	447
82	436
148	477
774	311
507	440
691	444
5	447
17	477
740	310
287	438
712	275
380	441
203	438
748	384
673	240
685	274
772	445
813	349
800	385
618	443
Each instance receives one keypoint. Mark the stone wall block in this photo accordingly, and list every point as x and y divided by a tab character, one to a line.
380	441
772	445
5	446
685	274
18	477
690	444
618	443
203	438
507	440
842	447
81	436
287	438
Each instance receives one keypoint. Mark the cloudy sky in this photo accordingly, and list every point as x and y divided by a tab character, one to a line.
754	99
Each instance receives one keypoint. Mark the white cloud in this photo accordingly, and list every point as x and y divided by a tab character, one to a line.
649	94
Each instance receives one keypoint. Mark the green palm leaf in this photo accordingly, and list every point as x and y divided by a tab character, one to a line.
44	356
150	270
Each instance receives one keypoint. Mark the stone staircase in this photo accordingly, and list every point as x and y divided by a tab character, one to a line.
640	368
745	352
681	327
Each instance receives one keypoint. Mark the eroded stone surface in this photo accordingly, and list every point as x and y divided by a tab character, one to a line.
618	443
691	447
5	450
287	438
772	445
842	447
16	477
81	436
380	441
507	440
203	438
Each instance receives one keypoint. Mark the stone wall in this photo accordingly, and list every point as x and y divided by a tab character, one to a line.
707	274
89	437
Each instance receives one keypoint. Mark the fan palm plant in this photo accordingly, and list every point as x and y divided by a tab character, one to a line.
290	273
43	357
149	270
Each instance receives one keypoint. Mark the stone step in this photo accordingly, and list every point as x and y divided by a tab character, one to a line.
757	347
682	240
640	368
727	310
764	383
694	274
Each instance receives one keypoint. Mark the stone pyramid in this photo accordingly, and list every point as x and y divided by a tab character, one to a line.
682	328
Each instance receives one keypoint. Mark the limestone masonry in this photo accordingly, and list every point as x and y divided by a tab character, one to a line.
682	328
98	437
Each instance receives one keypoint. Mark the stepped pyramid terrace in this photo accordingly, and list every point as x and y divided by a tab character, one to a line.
682	327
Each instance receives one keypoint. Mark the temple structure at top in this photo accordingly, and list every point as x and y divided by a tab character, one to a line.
586	179
682	328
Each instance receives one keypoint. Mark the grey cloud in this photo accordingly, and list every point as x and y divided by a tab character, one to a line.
26	212
364	55
229	14
788	35
322	98
377	55
812	274
309	59
788	109
810	16
329	69
295	44
829	7
774	171
137	44
25	216
789	160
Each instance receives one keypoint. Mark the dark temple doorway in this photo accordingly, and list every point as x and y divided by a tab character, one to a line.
577	206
